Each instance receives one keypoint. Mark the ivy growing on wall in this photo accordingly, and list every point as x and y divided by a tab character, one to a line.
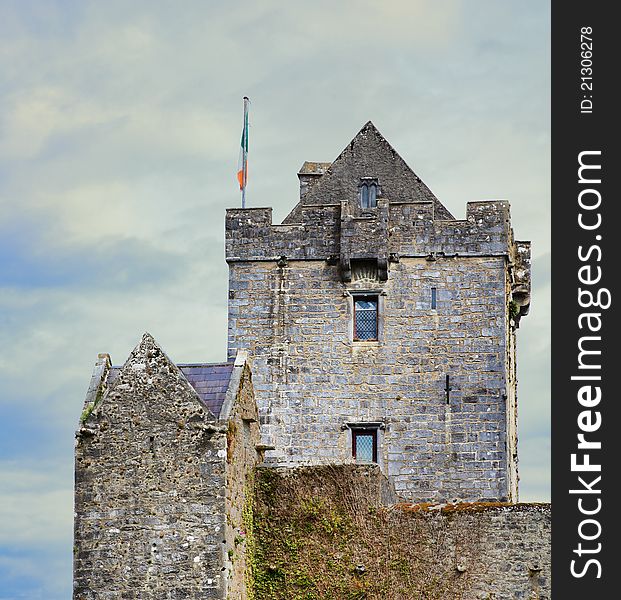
321	533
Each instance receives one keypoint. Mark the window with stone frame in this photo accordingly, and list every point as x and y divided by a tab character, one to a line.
368	192
366	318
364	445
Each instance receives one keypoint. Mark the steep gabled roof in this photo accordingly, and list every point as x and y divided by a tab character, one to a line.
368	155
149	376
209	380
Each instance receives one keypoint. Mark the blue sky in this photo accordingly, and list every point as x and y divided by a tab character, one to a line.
119	137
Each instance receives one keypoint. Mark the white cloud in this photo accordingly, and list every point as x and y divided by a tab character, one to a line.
35	503
118	146
536	463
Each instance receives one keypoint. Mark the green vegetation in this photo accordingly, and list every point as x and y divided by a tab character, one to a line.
514	309
86	413
248	528
88	409
319	533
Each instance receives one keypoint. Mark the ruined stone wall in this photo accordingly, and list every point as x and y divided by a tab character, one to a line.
321	533
311	378
149	488
242	426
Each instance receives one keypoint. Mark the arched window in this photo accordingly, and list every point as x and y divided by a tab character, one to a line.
368	194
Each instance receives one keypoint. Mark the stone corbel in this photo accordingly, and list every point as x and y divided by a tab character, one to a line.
345	268
382	269
521	284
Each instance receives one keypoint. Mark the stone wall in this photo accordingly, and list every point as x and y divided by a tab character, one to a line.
239	412
311	378
321	533
149	489
161	484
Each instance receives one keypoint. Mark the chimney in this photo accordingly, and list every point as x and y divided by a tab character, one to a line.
309	174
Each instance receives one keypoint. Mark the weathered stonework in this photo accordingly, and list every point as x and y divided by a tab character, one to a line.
243	452
155	482
168	500
291	307
322	532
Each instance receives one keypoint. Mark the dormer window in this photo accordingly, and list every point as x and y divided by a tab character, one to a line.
368	193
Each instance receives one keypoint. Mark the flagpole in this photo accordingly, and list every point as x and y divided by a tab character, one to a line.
245	155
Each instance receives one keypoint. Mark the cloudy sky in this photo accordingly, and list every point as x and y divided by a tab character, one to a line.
119	136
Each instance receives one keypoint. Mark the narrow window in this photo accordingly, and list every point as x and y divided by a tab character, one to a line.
372	195
364	196
368	194
365	318
364	445
434	297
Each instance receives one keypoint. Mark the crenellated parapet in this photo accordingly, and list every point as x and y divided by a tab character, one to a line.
344	231
251	236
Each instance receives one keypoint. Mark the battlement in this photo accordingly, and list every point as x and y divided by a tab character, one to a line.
407	229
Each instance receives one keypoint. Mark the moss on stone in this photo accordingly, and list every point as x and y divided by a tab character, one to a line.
321	532
514	309
86	413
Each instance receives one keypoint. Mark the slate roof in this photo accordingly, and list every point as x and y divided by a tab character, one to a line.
210	380
368	154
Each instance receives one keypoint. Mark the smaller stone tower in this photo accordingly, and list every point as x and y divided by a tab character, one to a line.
161	481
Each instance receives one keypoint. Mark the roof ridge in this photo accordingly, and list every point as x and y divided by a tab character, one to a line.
368	135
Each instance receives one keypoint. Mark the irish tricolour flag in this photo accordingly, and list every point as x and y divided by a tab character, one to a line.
242	165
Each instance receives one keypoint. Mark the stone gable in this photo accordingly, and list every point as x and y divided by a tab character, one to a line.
155	490
368	155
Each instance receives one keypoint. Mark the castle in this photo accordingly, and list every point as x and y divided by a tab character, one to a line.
372	329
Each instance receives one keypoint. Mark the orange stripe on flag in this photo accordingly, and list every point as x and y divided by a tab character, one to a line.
242	177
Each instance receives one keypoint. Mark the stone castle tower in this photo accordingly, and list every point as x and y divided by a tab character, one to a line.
383	328
370	327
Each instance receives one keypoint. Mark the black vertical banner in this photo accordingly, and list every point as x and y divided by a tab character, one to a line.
586	361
